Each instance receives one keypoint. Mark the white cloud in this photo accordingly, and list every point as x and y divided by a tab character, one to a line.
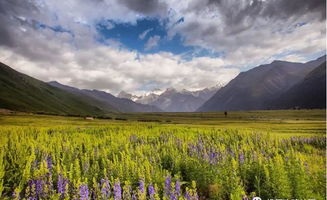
111	69
152	42
250	34
294	58
144	33
246	34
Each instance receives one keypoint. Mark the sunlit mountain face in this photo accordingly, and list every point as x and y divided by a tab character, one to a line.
138	45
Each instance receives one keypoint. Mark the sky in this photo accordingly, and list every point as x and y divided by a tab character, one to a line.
142	45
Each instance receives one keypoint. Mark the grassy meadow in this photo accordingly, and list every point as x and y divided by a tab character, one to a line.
182	156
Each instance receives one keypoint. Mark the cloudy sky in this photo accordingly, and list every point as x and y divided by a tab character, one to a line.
141	45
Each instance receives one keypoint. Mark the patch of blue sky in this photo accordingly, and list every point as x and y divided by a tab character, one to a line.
57	28
151	86
129	36
202	52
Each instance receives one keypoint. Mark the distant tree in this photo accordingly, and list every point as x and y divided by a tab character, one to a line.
225	113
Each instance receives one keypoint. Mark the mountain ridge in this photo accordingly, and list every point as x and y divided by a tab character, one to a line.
309	93
253	89
106	100
21	92
173	100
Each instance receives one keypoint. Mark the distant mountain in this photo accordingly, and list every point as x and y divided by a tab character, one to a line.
172	100
125	95
106	100
254	89
24	93
308	93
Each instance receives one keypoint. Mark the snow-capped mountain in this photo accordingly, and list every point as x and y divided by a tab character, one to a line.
173	100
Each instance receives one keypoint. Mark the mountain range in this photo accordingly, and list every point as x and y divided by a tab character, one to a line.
24	93
106	101
308	93
272	86
278	85
172	100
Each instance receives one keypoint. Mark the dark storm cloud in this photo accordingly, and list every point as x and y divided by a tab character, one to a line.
16	7
147	7
10	11
289	8
239	16
246	31
236	11
5	38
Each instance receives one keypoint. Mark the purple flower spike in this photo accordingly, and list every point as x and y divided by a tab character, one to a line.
141	185
152	192
241	158
168	186
84	192
117	191
187	195
173	196
49	162
105	188
178	188
61	185
39	187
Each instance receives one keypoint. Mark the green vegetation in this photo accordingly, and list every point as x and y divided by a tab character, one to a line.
24	93
271	154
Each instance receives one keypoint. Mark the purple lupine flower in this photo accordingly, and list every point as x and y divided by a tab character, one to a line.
192	149
32	190
241	158
212	157
168	186
105	188
134	197
30	186
117	191
141	185
178	188
84	192
49	163
61	185
173	196
187	195
39	187
152	192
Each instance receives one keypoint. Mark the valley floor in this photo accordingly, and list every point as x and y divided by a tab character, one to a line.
271	154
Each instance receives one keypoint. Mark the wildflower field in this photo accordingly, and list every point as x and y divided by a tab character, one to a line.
270	154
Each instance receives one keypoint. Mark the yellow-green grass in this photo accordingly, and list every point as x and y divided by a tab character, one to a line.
283	123
273	154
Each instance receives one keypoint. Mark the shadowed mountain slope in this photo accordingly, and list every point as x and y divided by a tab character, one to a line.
24	93
254	89
106	100
308	93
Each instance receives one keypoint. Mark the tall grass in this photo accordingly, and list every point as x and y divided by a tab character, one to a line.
151	161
